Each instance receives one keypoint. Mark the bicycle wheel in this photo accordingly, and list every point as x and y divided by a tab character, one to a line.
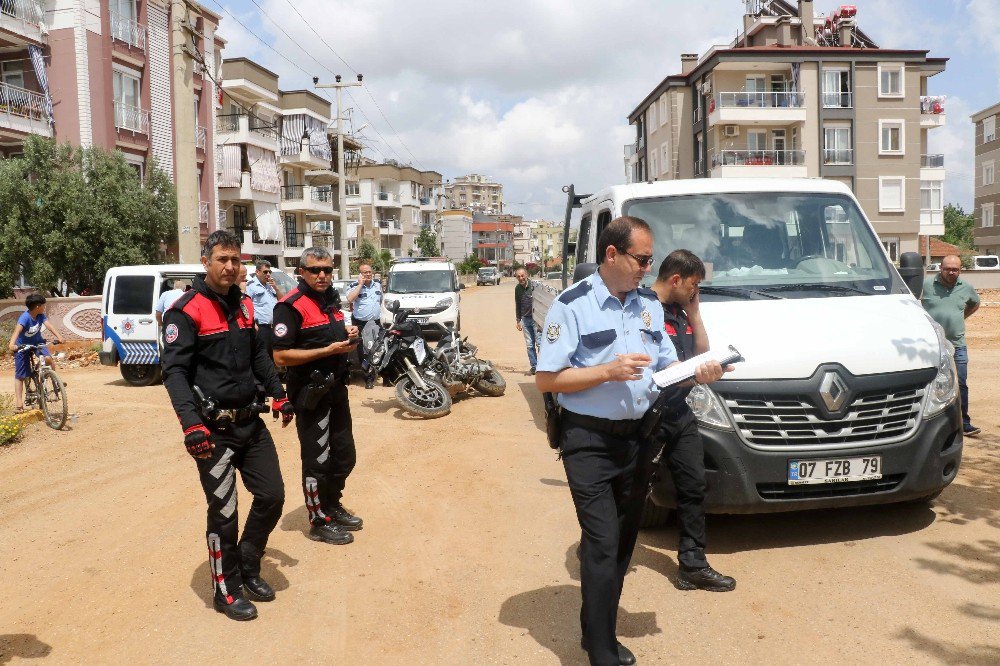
52	396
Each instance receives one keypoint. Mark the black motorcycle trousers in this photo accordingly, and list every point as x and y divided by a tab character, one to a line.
326	440
683	457
250	450
608	477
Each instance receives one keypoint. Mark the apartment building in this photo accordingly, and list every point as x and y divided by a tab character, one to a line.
987	188
797	95
454	232
547	243
524	231
493	239
475	192
390	203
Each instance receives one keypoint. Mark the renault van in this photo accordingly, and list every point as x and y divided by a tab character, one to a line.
848	395
428	288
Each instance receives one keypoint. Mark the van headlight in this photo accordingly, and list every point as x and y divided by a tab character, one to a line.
444	302
707	407
944	389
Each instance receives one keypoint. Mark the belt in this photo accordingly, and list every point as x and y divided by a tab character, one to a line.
267	324
237	416
622	428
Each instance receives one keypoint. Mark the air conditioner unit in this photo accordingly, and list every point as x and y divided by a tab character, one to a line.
706	88
730	130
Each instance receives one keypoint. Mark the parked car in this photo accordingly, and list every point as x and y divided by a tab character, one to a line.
934	267
985	262
488	275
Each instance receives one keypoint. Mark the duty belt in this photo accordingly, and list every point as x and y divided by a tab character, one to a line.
237	416
623	428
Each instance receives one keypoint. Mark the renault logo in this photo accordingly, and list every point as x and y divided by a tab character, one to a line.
833	390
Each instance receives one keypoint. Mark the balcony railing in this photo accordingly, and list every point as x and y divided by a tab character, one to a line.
388	196
260	126
838	156
629	150
758	158
228	122
932	161
201	136
15	101
29	11
131	118
125	30
294	238
932	104
838	100
292	192
761	100
255	238
203	212
391	224
322	194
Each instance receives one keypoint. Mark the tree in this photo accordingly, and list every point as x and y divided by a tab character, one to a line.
427	243
470	264
958	227
69	214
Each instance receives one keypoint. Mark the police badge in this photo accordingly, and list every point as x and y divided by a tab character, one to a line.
552	332
246	313
647	320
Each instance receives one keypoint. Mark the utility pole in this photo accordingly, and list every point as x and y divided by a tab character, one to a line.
345	263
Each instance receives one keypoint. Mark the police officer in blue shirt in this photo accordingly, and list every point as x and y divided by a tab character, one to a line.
603	338
365	297
265	292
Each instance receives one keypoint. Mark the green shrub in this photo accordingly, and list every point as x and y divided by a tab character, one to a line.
10	426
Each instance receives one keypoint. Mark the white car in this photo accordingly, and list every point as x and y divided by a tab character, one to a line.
428	289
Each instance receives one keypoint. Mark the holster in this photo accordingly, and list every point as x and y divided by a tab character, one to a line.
553	424
651	419
318	387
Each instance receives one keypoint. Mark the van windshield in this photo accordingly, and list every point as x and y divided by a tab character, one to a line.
766	245
421	282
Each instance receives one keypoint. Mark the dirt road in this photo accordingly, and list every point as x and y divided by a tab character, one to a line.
468	550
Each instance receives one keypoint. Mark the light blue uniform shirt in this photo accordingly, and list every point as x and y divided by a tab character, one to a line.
167	299
264	297
368	304
587	326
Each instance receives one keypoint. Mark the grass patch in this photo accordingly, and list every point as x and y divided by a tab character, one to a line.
10	426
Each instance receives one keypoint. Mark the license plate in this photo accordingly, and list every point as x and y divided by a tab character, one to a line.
420	320
834	470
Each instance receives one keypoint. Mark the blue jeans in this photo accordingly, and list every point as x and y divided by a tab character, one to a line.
962	366
530	339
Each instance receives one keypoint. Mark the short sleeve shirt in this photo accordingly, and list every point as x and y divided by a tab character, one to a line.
368	304
587	326
167	299
31	329
946	305
264	297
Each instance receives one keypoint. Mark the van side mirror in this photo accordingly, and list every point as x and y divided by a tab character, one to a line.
392	306
911	269
583	271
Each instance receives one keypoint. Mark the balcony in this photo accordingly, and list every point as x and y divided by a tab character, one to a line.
931	222
131	118
630	151
21	22
246	128
834	156
772	108
386	200
838	100
304	158
23	111
308	199
932	111
245	192
390	227
125	30
932	167
758	163
200	136
295	238
203	213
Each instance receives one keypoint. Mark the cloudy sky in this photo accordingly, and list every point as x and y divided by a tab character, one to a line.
536	94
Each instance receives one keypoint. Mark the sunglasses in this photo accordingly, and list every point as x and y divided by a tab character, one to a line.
643	260
316	270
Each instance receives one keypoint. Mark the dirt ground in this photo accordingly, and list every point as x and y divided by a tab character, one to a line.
468	550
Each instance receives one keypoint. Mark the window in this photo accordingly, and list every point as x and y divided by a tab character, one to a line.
837	88
890	80
930	195
240	223
653	172
837	145
663	109
756	140
891	194
665	157
987	215
133	294
891	246
13	74
124	8
352	189
891	139
652	116
989	172
989	128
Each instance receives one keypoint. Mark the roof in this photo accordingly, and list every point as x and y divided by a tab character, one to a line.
666	188
939	248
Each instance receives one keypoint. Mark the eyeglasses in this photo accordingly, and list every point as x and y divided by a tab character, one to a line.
316	270
266	272
643	260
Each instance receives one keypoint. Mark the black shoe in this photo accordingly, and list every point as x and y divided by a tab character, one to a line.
386	382
345	518
369	383
625	656
705	579
239	609
531	372
329	533
970	430
258	589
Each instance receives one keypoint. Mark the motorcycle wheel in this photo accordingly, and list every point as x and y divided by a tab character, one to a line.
431	403
492	384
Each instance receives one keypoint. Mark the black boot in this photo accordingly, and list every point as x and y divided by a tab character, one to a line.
705	579
345	519
238	609
256	587
625	656
369	382
330	533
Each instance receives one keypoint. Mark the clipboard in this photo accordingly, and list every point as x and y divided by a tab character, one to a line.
684	370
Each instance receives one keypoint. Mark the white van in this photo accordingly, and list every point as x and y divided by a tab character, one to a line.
129	330
428	288
985	262
849	394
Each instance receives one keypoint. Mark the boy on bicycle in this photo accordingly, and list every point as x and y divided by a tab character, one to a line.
28	331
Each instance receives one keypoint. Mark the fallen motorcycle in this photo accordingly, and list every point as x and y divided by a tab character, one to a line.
454	361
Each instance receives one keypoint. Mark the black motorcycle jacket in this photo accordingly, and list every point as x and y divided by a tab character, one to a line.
308	319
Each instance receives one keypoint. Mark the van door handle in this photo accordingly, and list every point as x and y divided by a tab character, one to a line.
145	321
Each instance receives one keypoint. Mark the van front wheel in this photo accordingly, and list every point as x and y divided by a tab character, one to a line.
141	374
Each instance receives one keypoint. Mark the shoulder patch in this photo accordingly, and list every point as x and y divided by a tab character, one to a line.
648	293
578	290
170	333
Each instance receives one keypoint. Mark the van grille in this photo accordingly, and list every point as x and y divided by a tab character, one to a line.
783	491
792	422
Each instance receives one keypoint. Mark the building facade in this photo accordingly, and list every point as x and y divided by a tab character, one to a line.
547	244
477	193
133	76
799	95
524	231
493	239
987	187
454	232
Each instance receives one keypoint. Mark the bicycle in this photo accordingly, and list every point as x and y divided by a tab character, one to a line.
44	387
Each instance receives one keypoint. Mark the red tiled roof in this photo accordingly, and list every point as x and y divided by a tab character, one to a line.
939	248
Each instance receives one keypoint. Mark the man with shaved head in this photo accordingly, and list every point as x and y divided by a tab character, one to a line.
950	300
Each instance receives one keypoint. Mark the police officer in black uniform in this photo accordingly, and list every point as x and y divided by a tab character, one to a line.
603	338
310	339
683	453
211	367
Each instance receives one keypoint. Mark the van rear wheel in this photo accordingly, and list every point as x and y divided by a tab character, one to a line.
141	374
